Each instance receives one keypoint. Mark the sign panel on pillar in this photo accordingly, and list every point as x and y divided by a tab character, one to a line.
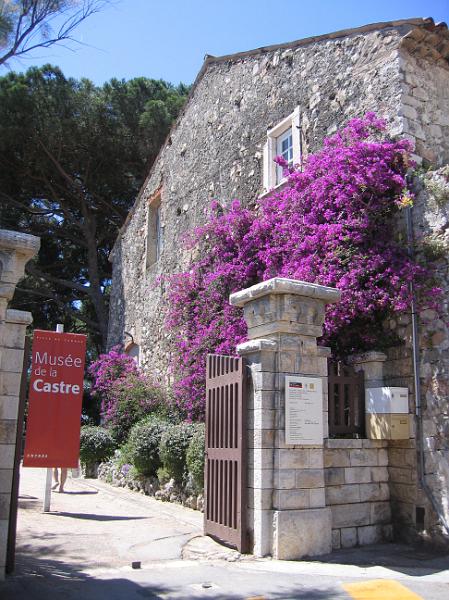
55	399
303	410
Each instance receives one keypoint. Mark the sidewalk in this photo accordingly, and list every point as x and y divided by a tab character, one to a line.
84	548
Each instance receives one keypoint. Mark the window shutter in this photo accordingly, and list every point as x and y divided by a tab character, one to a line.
266	166
296	134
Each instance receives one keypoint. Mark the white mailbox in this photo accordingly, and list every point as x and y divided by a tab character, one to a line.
386	400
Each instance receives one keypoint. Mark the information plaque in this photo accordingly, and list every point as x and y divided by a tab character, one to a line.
303	410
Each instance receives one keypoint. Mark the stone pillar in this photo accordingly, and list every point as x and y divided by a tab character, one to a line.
372	365
15	251
287	514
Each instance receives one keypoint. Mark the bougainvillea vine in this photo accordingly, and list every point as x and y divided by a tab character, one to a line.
331	224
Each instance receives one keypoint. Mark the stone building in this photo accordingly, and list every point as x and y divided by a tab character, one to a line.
243	110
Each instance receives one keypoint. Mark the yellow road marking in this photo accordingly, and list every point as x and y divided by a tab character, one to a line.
380	589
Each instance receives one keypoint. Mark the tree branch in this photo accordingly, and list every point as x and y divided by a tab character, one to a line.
31	269
50	297
35	17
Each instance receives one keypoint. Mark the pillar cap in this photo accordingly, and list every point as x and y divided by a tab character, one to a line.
19	317
257	345
370	356
282	285
24	243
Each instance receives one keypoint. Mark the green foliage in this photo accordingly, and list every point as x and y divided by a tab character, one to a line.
73	157
175	441
142	447
131	399
195	456
96	444
163	475
437	184
433	247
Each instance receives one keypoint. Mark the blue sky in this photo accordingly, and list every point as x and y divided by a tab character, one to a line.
168	39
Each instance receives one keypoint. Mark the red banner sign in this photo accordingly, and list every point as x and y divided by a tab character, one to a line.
55	399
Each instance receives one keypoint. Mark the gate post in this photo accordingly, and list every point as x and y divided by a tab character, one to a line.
16	249
287	514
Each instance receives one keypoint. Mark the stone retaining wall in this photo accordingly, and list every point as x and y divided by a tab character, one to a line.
357	490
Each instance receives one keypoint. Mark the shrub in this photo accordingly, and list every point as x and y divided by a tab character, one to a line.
142	447
195	456
174	444
108	369
131	398
96	445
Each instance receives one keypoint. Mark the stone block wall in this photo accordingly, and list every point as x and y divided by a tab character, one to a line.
287	513
15	250
357	491
425	97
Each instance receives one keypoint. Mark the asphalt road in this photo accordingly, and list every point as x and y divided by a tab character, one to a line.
84	549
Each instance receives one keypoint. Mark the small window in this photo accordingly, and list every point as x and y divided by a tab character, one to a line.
282	140
154	236
284	148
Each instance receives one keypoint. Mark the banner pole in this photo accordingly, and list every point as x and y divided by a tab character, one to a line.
48	480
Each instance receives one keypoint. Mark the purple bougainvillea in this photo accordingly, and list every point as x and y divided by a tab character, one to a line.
110	367
332	224
126	393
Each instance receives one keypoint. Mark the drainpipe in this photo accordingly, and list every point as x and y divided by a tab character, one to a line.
417	383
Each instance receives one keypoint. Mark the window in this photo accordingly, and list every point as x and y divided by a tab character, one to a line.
154	237
282	140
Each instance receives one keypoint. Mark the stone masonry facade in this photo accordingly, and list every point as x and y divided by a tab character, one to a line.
16	249
398	70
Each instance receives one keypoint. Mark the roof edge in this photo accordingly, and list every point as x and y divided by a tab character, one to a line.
415	21
210	59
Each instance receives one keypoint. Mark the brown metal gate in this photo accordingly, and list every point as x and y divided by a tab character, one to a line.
225	475
346	400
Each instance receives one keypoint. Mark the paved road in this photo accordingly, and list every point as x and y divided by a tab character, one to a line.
84	549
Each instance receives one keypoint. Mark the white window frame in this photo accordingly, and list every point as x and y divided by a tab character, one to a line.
270	168
154	231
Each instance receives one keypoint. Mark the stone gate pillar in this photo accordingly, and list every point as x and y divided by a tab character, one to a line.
287	514
16	249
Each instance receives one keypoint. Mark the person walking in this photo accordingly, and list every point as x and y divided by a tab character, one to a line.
59	479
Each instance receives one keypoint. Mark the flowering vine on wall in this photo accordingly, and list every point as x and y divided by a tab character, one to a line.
332	224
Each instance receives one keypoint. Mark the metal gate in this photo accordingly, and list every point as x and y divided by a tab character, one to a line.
225	474
346	400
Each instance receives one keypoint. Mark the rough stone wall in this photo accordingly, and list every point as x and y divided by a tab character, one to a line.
425	101
357	491
431	228
215	151
431	222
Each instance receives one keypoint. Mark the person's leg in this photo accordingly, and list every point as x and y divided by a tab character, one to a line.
63	479
56	479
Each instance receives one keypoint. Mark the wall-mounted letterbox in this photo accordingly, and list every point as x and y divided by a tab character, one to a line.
387	415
